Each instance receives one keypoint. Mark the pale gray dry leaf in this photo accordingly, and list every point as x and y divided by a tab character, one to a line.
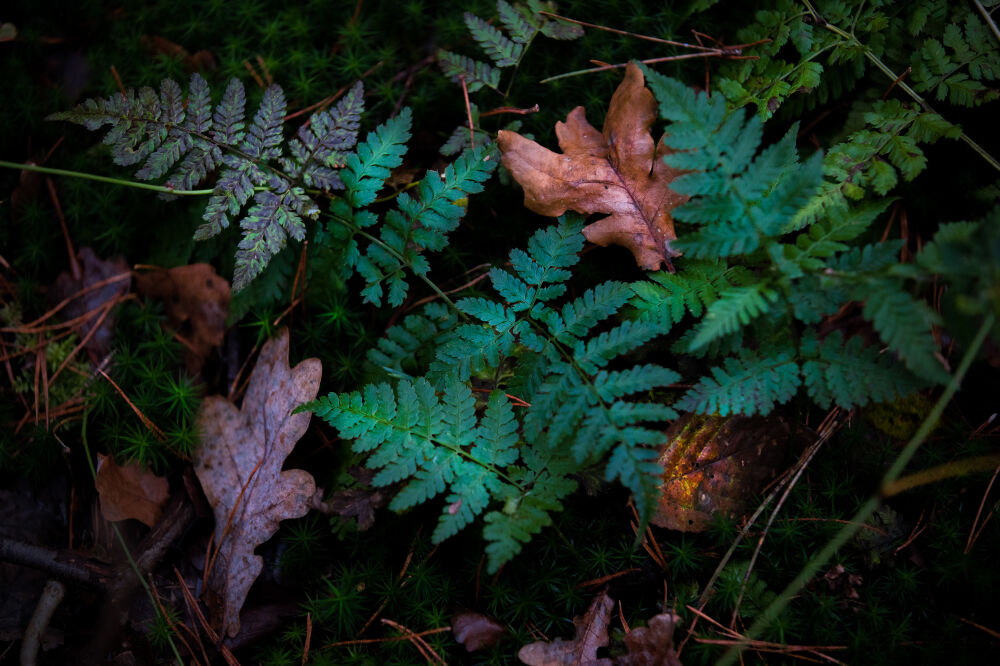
239	465
591	634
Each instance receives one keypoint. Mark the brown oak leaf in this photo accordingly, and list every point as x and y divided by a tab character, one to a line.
714	464
130	491
475	630
239	465
652	645
591	635
197	303
619	171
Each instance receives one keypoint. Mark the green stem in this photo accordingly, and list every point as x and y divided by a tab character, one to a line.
865	512
898	80
401	259
101	179
128	555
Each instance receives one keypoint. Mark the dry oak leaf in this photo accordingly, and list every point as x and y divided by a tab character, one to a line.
197	304
652	645
620	172
239	465
115	275
591	635
714	464
475	630
130	491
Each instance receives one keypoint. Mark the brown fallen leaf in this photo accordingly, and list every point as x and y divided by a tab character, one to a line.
130	491
713	464
620	172
476	631
94	270
239	465
201	61
652	645
591	634
197	303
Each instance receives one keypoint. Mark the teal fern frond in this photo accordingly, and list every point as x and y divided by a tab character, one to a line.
575	405
744	204
850	374
752	383
667	297
738	197
415	224
381	151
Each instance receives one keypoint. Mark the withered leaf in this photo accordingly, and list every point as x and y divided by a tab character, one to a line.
591	634
715	464
197	303
652	645
476	631
619	171
114	273
239	465
130	491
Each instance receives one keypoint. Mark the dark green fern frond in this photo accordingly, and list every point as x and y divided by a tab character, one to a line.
476	74
667	297
752	383
502	51
851	374
322	145
187	139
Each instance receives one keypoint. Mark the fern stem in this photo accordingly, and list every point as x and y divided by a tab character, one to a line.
893	76
430	283
101	179
869	507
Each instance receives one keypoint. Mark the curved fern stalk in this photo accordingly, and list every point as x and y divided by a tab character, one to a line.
186	140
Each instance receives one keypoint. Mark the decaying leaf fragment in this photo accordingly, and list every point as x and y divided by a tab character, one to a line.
714	464
591	634
239	465
652	645
619	171
197	303
475	630
130	491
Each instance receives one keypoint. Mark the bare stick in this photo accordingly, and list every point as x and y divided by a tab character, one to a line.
51	596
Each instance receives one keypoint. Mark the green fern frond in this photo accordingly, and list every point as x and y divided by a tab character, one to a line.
383	149
904	323
850	374
476	74
514	19
749	384
666	297
734	308
503	51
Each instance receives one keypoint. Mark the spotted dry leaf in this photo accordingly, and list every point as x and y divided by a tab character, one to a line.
239	465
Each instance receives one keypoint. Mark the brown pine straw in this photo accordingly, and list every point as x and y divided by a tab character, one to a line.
426	651
735	638
174	627
160	435
389	639
309	635
193	607
35	326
